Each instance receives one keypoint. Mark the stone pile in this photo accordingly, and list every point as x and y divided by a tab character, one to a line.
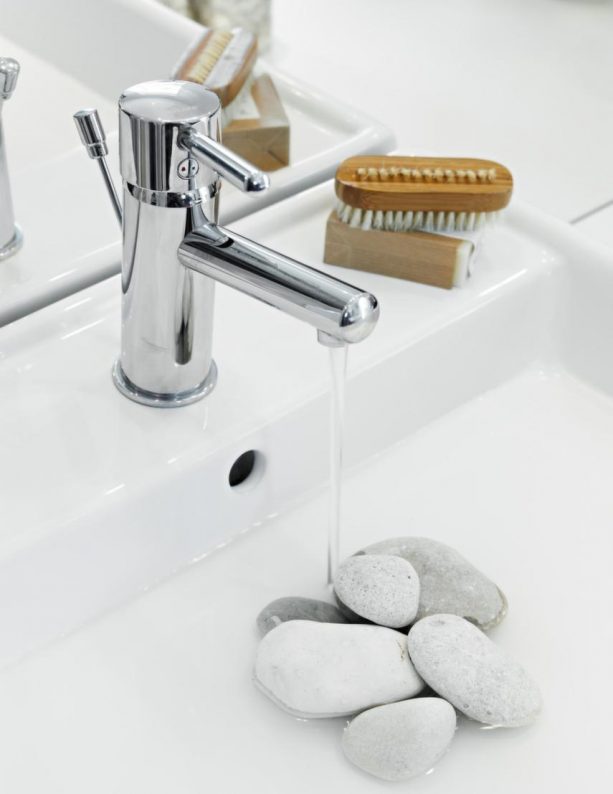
411	613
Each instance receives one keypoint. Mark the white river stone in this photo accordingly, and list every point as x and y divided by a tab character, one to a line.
379	587
329	669
297	608
401	740
465	667
348	613
448	583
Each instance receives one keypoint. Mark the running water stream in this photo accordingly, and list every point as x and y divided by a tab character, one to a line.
338	369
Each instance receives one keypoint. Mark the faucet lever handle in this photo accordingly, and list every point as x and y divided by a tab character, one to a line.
9	72
235	169
93	138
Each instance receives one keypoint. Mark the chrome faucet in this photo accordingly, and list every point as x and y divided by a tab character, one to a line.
173	250
10	233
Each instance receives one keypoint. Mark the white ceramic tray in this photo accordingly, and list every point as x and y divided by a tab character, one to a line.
71	235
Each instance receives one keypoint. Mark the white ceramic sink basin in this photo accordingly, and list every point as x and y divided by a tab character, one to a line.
97	49
482	417
158	695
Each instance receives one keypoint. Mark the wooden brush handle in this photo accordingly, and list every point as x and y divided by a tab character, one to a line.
448	184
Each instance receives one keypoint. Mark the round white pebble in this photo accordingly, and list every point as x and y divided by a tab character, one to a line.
329	669
401	740
449	584
466	668
379	587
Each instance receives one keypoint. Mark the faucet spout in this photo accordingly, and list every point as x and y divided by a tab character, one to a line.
339	311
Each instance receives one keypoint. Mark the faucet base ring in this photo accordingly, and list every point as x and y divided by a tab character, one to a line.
13	245
172	400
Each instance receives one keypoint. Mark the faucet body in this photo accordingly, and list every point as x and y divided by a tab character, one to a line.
167	309
173	250
10	234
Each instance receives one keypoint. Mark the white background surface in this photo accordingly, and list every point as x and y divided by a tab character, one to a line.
156	697
527	82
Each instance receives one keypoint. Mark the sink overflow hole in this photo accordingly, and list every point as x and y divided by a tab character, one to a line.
243	468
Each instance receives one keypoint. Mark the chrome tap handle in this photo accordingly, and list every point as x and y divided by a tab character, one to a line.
9	72
230	166
93	138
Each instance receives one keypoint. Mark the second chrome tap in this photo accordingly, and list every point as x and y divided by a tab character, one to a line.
10	233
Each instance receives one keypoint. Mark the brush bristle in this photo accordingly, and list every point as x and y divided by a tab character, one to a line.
209	56
441	175
444	222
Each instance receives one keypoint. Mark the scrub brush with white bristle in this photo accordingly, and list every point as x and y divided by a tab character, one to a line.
417	218
431	194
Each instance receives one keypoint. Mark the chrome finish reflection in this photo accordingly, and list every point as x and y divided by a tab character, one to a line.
173	250
336	309
10	234
230	166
